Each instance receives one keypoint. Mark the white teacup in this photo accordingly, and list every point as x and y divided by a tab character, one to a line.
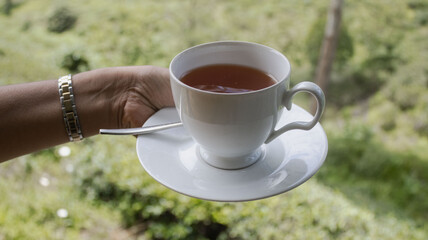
231	128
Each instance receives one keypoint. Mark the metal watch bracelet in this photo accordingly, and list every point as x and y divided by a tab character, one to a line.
69	112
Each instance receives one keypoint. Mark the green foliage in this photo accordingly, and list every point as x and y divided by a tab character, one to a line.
350	81
6	7
359	165
380	49
313	42
356	181
139	199
386	115
61	20
420	7
406	89
28	209
74	62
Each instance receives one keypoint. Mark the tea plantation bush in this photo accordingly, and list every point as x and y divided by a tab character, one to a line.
61	20
363	168
114	177
33	188
75	62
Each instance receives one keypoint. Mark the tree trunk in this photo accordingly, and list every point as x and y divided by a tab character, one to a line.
328	48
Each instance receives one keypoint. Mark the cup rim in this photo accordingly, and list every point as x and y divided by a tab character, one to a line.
280	81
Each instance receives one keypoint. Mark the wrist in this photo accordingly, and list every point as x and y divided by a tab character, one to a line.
97	93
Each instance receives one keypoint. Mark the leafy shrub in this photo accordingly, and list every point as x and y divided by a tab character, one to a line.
420	8
109	173
356	159
61	20
386	113
406	92
164	214
351	82
119	181
420	118
75	62
7	7
314	39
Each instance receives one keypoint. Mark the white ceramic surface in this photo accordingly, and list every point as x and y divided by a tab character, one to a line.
230	128
171	158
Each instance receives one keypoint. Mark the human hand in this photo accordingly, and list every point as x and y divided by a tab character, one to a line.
122	97
146	91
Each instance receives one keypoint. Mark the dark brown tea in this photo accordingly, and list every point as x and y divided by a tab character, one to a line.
227	78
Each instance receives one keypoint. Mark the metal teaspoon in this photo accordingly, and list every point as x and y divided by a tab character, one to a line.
140	130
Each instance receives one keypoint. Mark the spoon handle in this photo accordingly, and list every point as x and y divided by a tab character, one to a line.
140	130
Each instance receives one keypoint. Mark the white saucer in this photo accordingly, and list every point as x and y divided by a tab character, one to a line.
291	159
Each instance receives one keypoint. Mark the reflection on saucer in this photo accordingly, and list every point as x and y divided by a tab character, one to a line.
277	178
186	155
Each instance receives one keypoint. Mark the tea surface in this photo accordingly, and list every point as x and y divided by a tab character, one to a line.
227	78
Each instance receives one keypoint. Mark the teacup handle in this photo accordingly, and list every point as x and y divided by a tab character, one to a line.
311	88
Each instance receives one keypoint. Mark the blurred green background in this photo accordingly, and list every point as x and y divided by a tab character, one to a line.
372	186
